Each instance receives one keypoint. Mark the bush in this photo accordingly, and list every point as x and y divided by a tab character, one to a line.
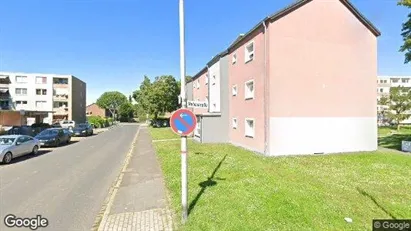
97	121
161	122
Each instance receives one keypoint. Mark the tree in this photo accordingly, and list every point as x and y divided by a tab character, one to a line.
406	32
398	104
126	112
111	100
158	97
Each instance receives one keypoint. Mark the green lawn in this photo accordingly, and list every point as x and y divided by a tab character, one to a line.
234	189
389	137
162	133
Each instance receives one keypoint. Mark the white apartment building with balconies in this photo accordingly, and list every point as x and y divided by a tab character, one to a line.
55	97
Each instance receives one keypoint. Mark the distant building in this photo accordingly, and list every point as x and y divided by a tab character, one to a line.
384	84
46	98
94	110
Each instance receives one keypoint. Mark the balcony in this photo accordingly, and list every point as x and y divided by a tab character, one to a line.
61	110
63	97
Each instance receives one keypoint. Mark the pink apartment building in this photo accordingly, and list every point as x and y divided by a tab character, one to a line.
302	81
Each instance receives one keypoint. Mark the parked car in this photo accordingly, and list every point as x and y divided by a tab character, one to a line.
70	124
56	125
84	129
21	130
12	146
53	137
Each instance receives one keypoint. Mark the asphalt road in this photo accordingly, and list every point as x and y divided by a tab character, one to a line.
68	185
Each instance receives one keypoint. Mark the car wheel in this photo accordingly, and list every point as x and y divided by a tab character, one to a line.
35	150
7	158
68	140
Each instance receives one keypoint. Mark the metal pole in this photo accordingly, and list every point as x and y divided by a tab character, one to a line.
184	191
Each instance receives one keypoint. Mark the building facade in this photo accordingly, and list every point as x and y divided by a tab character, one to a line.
49	97
287	91
94	110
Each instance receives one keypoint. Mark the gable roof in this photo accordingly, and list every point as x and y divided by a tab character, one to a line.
296	5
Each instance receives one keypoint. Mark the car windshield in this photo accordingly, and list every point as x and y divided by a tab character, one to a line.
7	141
48	133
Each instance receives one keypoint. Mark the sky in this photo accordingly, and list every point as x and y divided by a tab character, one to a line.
112	44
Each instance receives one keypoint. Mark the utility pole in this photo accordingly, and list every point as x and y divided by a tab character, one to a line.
184	191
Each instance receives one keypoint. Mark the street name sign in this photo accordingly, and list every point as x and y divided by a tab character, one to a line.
183	122
197	104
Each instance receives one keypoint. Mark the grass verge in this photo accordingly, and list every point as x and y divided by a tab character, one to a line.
390	138
233	189
162	133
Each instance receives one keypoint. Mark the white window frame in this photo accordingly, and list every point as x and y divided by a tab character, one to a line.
43	104
214	79
41	79
249	55
250	134
234	123
234	90
206	80
251	95
21	91
198	84
234	58
23	77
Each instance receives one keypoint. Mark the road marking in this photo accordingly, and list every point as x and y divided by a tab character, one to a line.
102	217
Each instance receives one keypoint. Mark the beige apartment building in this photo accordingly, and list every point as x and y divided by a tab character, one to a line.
47	98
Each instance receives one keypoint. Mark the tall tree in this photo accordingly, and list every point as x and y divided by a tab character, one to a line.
158	97
398	103
126	112
111	100
406	32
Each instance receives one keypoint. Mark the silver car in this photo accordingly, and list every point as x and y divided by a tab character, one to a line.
12	146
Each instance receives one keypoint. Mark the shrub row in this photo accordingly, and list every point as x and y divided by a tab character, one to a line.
100	122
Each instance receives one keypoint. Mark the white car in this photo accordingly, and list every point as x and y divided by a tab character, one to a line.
12	146
70	124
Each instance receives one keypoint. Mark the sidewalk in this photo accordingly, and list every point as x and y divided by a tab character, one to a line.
140	200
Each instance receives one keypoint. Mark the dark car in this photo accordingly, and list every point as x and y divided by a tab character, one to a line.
53	137
21	130
84	129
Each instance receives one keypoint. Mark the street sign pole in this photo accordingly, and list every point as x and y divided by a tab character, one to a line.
184	191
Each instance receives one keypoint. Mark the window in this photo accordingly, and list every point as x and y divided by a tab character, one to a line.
234	58
249	89
41	91
60	80
234	123
385	81
249	52
234	90
41	80
20	102
40	104
395	80
21	91
21	79
214	78
381	90
198	84
249	127
405	80
206	80
59	104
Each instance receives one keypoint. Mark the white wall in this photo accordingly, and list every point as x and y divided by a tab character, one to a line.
31	96
301	135
214	87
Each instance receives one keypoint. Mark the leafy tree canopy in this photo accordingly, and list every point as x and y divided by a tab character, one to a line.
111	100
406	32
399	104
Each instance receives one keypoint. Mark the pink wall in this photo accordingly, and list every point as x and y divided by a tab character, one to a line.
240	108
200	93
323	63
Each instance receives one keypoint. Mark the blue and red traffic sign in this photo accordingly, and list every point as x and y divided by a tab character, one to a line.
183	122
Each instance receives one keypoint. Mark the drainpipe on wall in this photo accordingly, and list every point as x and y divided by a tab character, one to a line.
265	98
208	88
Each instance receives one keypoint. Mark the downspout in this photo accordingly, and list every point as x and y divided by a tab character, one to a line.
265	98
